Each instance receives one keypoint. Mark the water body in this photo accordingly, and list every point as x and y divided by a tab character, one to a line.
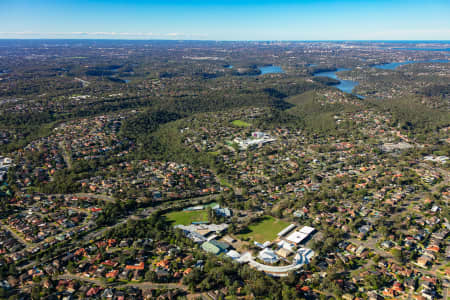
115	69
270	70
394	65
423	49
346	86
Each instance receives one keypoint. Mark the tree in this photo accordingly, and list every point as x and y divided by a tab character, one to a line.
210	212
151	276
397	254
70	267
36	292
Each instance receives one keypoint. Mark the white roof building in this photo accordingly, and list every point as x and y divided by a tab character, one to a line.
259	245
212	237
267	244
218	228
233	254
286	230
268	256
296	237
303	256
286	245
192	231
307	230
229	239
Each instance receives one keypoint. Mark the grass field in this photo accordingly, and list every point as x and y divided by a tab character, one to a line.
187	217
224	182
240	123
265	230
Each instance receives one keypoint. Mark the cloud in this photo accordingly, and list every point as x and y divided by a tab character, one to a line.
102	34
18	33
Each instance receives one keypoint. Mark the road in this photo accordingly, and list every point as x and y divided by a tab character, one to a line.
81	278
97	234
105	198
30	245
146	213
370	244
143	285
16	236
278	271
153	285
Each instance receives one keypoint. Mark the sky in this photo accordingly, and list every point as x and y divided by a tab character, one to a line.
227	20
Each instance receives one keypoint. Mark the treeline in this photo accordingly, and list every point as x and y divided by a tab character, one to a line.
165	143
155	227
67	180
27	134
142	124
306	111
319	69
326	80
156	139
199	97
413	116
33	125
151	142
103	70
26	119
436	90
113	211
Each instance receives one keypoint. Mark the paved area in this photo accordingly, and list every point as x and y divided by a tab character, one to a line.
143	285
279	271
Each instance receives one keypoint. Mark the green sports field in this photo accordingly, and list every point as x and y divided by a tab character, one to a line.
240	123
265	230
187	217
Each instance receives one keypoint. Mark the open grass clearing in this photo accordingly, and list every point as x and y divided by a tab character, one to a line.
266	229
187	217
240	123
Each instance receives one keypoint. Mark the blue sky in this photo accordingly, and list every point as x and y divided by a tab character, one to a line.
227	20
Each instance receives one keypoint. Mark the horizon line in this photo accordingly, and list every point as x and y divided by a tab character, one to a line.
225	40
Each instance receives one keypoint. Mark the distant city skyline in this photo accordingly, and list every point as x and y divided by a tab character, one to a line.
227	20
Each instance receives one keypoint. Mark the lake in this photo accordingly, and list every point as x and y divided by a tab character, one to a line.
394	65
423	49
346	86
270	70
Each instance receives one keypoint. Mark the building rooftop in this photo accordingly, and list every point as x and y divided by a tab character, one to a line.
297	237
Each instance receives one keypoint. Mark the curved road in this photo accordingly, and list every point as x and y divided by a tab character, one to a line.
280	271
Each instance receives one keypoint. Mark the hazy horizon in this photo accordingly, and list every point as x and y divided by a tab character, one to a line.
217	40
266	20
